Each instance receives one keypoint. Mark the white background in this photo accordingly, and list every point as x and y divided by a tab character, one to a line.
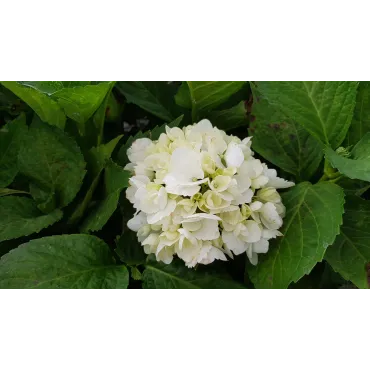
183	329
174	41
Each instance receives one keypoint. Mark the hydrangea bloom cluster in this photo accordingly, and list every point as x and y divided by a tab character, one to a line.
200	194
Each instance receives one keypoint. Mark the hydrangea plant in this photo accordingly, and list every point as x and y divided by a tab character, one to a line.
188	184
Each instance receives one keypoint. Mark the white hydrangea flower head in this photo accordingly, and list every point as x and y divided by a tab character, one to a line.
201	195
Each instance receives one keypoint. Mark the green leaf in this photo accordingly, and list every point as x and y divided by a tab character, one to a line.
176	275
53	162
80	102
351	251
135	273
19	216
65	262
116	179
97	159
129	249
154	97
353	187
206	95
313	219
182	97
50	87
361	115
122	158
282	141
11	137
46	108
324	109
229	119
99	156
357	167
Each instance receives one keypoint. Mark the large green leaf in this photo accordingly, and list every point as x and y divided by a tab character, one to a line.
116	179
352	187
361	115
19	216
351	251
80	102
50	87
283	142
324	109
176	275
53	162
65	261
154	97
357	167
97	159
206	95
46	108
313	219
229	119
11	137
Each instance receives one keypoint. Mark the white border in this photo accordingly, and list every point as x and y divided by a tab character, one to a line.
183	329
184	40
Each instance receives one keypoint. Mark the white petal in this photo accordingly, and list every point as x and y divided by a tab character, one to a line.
137	151
151	240
175	185
274	180
129	167
253	257
259	181
209	230
155	217
199	216
280	183
245	197
234	155
137	222
139	180
270	217
251	168
255	206
233	243
262	246
212	253
229	209
219	255
203	126
130	193
228	251
186	164
270	234
165	255
243	182
254	231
